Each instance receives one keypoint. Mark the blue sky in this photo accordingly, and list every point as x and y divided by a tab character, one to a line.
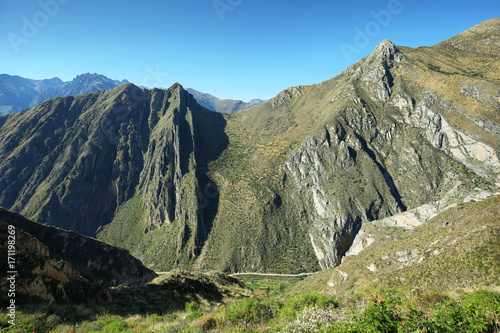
239	49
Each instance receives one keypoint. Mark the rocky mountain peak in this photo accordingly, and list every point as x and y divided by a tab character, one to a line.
95	78
383	57
177	85
373	71
386	47
385	52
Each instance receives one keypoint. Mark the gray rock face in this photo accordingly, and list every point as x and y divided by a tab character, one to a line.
427	115
285	96
375	160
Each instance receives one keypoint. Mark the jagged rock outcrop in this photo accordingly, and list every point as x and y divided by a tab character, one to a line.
368	164
285	96
427	115
319	174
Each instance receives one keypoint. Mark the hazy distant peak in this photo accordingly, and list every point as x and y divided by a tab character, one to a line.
221	105
18	93
257	101
54	82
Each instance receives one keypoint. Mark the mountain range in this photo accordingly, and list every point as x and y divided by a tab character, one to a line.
18	93
222	105
284	186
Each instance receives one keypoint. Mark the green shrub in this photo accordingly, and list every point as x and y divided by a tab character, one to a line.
298	303
415	320
64	329
474	313
253	311
453	316
487	301
105	323
52	321
194	315
380	316
115	327
191	306
29	323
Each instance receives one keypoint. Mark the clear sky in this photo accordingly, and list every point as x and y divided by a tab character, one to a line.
239	49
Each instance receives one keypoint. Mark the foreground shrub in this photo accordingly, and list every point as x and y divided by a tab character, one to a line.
115	327
27	323
194	308
453	316
311	320
191	306
487	301
296	304
207	322
475	313
253	311
380	316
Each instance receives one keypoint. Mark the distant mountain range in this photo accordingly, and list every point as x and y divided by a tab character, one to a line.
18	93
222	105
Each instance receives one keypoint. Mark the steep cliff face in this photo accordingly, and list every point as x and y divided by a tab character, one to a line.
79	158
75	158
383	153
57	265
174	193
78	162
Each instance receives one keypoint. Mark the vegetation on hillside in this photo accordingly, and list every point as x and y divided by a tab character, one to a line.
390	311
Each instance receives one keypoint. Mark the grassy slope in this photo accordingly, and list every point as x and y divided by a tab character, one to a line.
250	171
463	59
458	249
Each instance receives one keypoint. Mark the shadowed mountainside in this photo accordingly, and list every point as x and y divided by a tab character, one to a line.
54	264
